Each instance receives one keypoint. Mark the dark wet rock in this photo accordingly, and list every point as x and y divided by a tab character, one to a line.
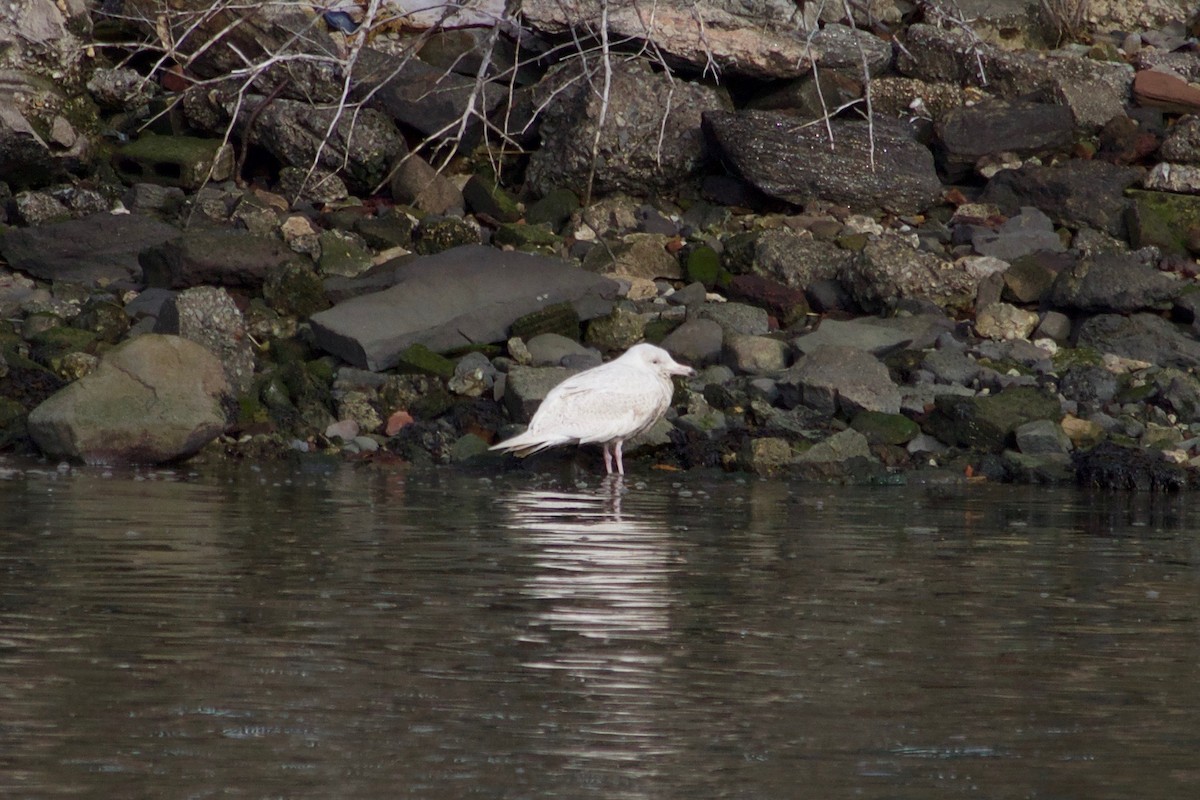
987	422
1126	140
95	250
989	128
890	270
1182	142
414	182
797	164
150	400
1094	91
761	41
1090	386
697	342
1145	337
1179	393
218	257
1168	221
1112	466
425	98
836	378
1029	231
828	295
360	147
1075	193
639	148
208	316
1113	282
467	295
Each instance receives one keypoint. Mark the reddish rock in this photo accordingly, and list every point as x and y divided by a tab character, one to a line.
787	304
398	421
1160	90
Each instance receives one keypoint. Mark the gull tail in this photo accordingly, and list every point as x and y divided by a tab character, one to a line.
529	442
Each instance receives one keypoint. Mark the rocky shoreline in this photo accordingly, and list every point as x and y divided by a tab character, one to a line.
983	267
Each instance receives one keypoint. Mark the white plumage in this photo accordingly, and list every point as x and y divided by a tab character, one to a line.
606	404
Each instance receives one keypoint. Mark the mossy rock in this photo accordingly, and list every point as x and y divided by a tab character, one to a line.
388	230
657	330
881	428
12	421
560	318
1068	357
529	238
342	255
295	289
419	359
619	330
52	344
105	318
554	209
704	265
987	422
484	196
1165	220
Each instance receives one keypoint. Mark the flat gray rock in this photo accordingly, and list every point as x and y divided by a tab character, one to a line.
862	335
101	248
460	297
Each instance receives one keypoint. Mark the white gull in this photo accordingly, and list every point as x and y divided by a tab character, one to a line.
607	404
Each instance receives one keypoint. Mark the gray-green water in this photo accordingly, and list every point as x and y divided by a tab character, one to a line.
363	632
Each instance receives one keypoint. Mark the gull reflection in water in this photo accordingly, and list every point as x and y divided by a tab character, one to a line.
599	585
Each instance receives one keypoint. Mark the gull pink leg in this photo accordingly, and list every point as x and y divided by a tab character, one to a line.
608	460
620	460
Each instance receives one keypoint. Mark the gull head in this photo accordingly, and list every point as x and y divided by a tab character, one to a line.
659	360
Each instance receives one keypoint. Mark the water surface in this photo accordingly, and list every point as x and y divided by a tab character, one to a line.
349	631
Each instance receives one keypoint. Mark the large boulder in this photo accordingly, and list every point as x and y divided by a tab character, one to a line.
864	166
649	132
151	400
762	43
459	297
